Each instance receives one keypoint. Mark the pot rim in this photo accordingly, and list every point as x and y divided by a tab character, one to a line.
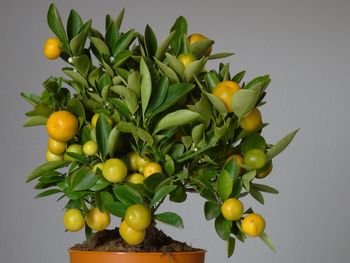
199	251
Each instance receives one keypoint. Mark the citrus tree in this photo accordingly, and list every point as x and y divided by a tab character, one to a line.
134	121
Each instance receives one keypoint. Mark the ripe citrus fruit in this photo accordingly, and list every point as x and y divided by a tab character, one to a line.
138	217
265	171
255	158
152	168
130	235
97	220
62	126
186	58
224	91
199	37
252	121
97	166
141	163
239	160
232	209
135	178
74	148
253	225
52	48
73	220
90	148
114	170
56	147
53	157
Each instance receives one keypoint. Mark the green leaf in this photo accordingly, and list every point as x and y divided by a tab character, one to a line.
238	77
83	179
127	195
117	209
175	64
31	98
49	166
244	101
77	44
169	165
223	227
161	193
175	93
100	184
151	182
220	55
259	83
35	121
130	96
194	68
119	18
226	179
178	195
211	210
82	64
75	107
267	240
211	80
114	141
175	119
167	71
281	145
231	246
170	218
74	24
48	192
204	108
159	92
150	41
104	199
265	188
146	85
55	23
257	195
198	47
180	28
164	45
121	58
123	42
100	45
103	130
76	76
112	35
88	232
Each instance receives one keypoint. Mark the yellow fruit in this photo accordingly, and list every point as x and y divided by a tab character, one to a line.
114	170
141	163
90	148
130	235
199	37
152	168
56	147
74	148
52	48
98	165
95	118
73	220
132	157
135	178
232	209
186	58
252	121
224	91
62	126
50	157
97	220
253	225
138	217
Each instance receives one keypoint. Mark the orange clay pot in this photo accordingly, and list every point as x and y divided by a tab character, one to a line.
77	256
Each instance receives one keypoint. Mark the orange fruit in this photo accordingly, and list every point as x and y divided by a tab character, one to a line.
253	225
62	126
130	235
232	209
224	91
265	171
151	168
199	37
52	48
252	121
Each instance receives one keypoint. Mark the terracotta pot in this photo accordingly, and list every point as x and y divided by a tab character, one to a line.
135	257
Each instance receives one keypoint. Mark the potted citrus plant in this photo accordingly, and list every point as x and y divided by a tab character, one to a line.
135	121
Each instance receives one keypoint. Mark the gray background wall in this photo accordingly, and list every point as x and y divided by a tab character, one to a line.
303	44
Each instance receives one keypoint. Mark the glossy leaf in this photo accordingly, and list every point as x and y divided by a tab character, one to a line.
103	130
238	77
161	193
123	42
175	119
159	92
35	121
127	195
170	218
100	45
228	176
175	64
220	55
78	42
168	72
55	23
74	24
244	101
150	41
117	209
265	188
103	200
48	193
164	45
223	227
180	28
231	246
76	76
198	47
83	179
211	210
146	85
49	166
268	241
194	68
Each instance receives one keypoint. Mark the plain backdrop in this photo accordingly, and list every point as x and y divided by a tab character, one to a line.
303	44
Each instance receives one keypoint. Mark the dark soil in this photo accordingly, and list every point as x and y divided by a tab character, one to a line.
155	241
